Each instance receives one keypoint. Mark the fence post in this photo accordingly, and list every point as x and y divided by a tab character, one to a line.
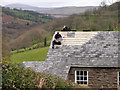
45	42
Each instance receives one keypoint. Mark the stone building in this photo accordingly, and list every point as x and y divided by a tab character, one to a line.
86	58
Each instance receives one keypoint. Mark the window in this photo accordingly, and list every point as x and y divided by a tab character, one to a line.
118	78
81	77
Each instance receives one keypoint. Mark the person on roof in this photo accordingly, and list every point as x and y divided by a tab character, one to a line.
65	28
57	40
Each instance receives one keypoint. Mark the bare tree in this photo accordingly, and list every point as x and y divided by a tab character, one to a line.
103	3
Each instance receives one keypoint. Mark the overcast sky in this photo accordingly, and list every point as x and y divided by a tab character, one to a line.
56	3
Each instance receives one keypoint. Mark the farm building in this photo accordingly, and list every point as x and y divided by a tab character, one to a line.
86	58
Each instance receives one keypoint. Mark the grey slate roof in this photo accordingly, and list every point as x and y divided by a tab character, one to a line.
100	51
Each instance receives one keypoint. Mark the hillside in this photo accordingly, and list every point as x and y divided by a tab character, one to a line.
16	23
67	11
27	15
13	27
8	19
35	34
103	19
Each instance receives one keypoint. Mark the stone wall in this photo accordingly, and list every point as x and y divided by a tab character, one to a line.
106	77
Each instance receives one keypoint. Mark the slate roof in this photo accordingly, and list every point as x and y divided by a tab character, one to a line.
100	51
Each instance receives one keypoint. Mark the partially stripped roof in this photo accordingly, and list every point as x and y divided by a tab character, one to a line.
99	49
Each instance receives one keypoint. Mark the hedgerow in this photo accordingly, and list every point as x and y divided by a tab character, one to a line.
16	77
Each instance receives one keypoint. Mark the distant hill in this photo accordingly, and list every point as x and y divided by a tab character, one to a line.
68	10
56	12
25	7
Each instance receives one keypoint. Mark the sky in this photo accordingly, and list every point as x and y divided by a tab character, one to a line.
56	3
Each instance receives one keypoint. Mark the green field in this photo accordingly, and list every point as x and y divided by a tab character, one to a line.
32	55
41	44
27	15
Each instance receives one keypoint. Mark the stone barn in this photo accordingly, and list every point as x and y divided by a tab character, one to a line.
86	58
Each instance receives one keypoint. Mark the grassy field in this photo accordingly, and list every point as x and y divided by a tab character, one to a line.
41	44
32	55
